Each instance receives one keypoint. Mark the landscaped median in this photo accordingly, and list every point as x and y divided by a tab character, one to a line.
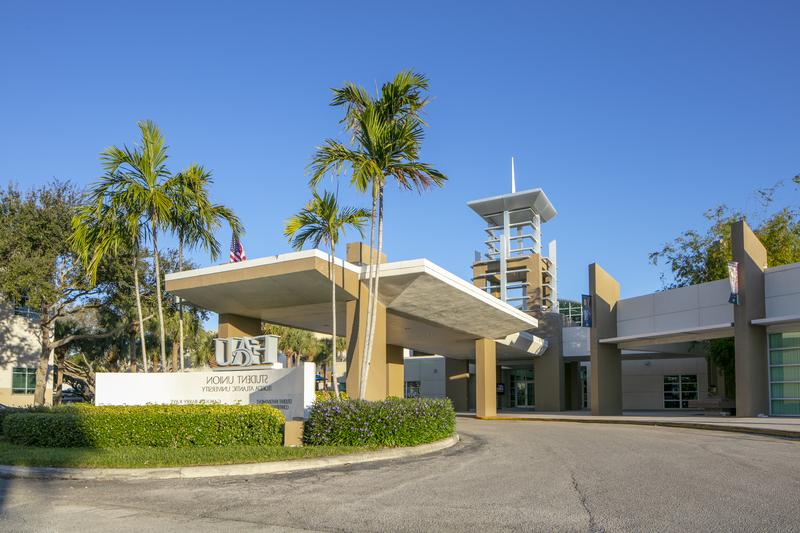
164	436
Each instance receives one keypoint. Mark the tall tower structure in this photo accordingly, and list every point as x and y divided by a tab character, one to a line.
513	267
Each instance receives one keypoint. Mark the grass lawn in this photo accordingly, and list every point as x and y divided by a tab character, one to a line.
136	457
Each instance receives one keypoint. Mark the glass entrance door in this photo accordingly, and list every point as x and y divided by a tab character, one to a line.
522	385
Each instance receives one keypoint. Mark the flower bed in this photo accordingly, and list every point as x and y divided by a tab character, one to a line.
391	422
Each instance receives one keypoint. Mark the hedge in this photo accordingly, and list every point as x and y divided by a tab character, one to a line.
391	422
5	411
171	426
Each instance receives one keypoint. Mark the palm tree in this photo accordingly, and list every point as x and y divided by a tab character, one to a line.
387	133
323	221
137	182
98	230
194	219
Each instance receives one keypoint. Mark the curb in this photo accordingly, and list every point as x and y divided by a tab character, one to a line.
246	469
794	435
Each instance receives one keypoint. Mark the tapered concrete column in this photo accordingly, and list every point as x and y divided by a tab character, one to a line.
238	326
356	316
606	359
395	380
548	369
486	376
752	380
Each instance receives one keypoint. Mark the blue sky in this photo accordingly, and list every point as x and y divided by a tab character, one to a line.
634	117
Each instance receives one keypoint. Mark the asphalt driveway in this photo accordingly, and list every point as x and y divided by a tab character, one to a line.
523	476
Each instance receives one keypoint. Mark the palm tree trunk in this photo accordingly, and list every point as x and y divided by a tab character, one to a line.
180	302
132	349
333	320
139	308
158	299
174	357
374	302
362	387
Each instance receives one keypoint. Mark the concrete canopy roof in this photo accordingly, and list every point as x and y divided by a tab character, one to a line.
427	308
490	209
651	340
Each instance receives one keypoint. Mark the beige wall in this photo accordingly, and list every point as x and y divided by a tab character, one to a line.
19	347
358	253
643	380
238	326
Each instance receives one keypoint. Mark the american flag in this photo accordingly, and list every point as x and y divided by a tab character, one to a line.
237	250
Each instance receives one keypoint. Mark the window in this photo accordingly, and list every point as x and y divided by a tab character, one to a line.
784	373
23	380
678	390
572	312
21	309
412	389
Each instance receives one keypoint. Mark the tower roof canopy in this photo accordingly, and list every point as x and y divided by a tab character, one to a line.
491	209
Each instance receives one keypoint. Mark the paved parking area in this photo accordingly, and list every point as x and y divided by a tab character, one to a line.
505	475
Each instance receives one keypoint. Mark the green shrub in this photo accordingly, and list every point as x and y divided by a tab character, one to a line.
391	422
329	395
168	426
5	411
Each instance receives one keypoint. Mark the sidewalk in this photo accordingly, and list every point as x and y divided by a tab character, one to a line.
773	426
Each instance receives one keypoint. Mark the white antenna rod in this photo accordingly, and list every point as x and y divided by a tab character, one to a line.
513	178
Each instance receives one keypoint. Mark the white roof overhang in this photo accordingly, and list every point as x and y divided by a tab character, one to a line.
427	308
534	199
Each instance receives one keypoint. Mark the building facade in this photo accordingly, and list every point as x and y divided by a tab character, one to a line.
645	353
19	339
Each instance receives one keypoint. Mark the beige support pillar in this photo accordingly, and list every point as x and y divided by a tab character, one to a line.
606	359
752	380
238	326
395	378
486	376
457	385
548	369
356	333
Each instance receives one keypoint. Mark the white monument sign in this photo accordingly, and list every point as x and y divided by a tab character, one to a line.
289	389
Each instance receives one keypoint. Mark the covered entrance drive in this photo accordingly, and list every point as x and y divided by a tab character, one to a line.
421	306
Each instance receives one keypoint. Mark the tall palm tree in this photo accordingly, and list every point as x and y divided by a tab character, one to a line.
386	139
322	220
137	182
98	229
194	219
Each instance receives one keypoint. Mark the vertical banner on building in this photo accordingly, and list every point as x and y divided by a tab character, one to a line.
733	278
586	310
